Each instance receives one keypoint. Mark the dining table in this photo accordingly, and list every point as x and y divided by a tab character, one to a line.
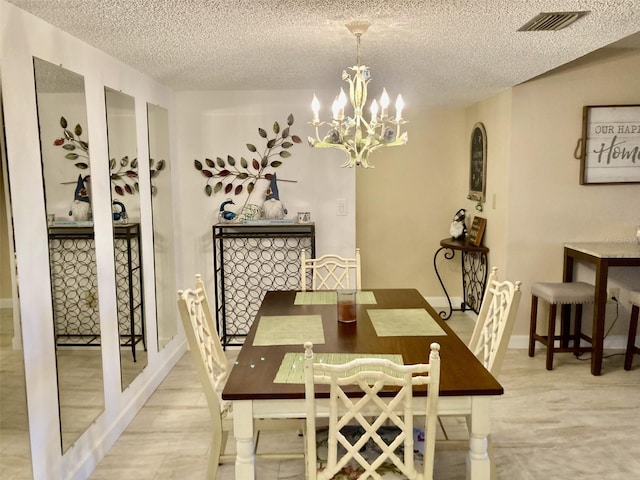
267	380
602	255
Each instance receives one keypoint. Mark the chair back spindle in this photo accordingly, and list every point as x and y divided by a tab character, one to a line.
494	325
330	272
385	397
210	362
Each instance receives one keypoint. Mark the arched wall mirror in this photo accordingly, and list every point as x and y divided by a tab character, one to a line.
125	196
66	174
15	461
162	210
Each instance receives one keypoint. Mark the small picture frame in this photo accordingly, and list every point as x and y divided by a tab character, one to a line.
478	163
610	144
476	232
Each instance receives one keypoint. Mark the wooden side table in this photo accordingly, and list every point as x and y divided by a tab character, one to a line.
602	255
474	266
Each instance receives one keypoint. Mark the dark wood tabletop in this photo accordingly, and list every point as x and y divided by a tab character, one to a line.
252	376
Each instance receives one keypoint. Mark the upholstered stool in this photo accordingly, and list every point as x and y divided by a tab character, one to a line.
570	293
634	299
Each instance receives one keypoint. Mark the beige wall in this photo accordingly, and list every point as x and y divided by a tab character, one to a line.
548	206
405	204
534	200
495	115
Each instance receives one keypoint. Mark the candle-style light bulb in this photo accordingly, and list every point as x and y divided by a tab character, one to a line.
342	101
399	107
335	109
374	111
315	106
384	102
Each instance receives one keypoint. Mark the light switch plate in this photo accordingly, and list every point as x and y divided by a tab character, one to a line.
341	207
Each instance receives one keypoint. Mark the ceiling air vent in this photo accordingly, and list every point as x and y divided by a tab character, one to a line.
551	21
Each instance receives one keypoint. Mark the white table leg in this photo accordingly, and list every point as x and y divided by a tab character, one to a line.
478	461
243	431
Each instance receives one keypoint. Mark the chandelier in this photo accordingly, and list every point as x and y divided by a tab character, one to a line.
357	137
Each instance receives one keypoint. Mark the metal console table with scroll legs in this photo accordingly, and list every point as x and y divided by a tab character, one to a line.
474	273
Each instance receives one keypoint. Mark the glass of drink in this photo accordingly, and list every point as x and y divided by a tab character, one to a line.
346	306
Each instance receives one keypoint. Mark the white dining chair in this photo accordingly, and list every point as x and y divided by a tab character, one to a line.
493	327
330	272
213	369
497	316
385	423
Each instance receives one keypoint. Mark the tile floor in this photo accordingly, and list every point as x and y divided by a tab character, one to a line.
15	456
563	424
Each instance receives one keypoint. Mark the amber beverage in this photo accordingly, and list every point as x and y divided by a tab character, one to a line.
346	306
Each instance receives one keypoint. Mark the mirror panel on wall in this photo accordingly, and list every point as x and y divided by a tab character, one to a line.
163	232
15	452
125	194
66	176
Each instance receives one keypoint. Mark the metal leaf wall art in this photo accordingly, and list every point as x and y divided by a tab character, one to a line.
124	172
240	175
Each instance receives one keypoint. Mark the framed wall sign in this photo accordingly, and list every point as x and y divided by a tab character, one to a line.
610	144
476	232
478	163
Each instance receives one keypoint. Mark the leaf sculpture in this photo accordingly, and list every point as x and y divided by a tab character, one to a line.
72	143
124	172
240	175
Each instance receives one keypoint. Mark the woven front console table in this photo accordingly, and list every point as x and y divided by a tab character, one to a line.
474	273
248	261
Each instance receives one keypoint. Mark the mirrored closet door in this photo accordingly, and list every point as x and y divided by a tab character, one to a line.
163	232
66	178
125	206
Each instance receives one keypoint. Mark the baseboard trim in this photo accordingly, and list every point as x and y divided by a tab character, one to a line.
441	302
6	303
613	342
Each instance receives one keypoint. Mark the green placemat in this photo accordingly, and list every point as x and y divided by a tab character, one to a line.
400	322
289	330
328	297
292	367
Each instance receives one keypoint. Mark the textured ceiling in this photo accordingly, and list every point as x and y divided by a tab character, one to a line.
447	52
